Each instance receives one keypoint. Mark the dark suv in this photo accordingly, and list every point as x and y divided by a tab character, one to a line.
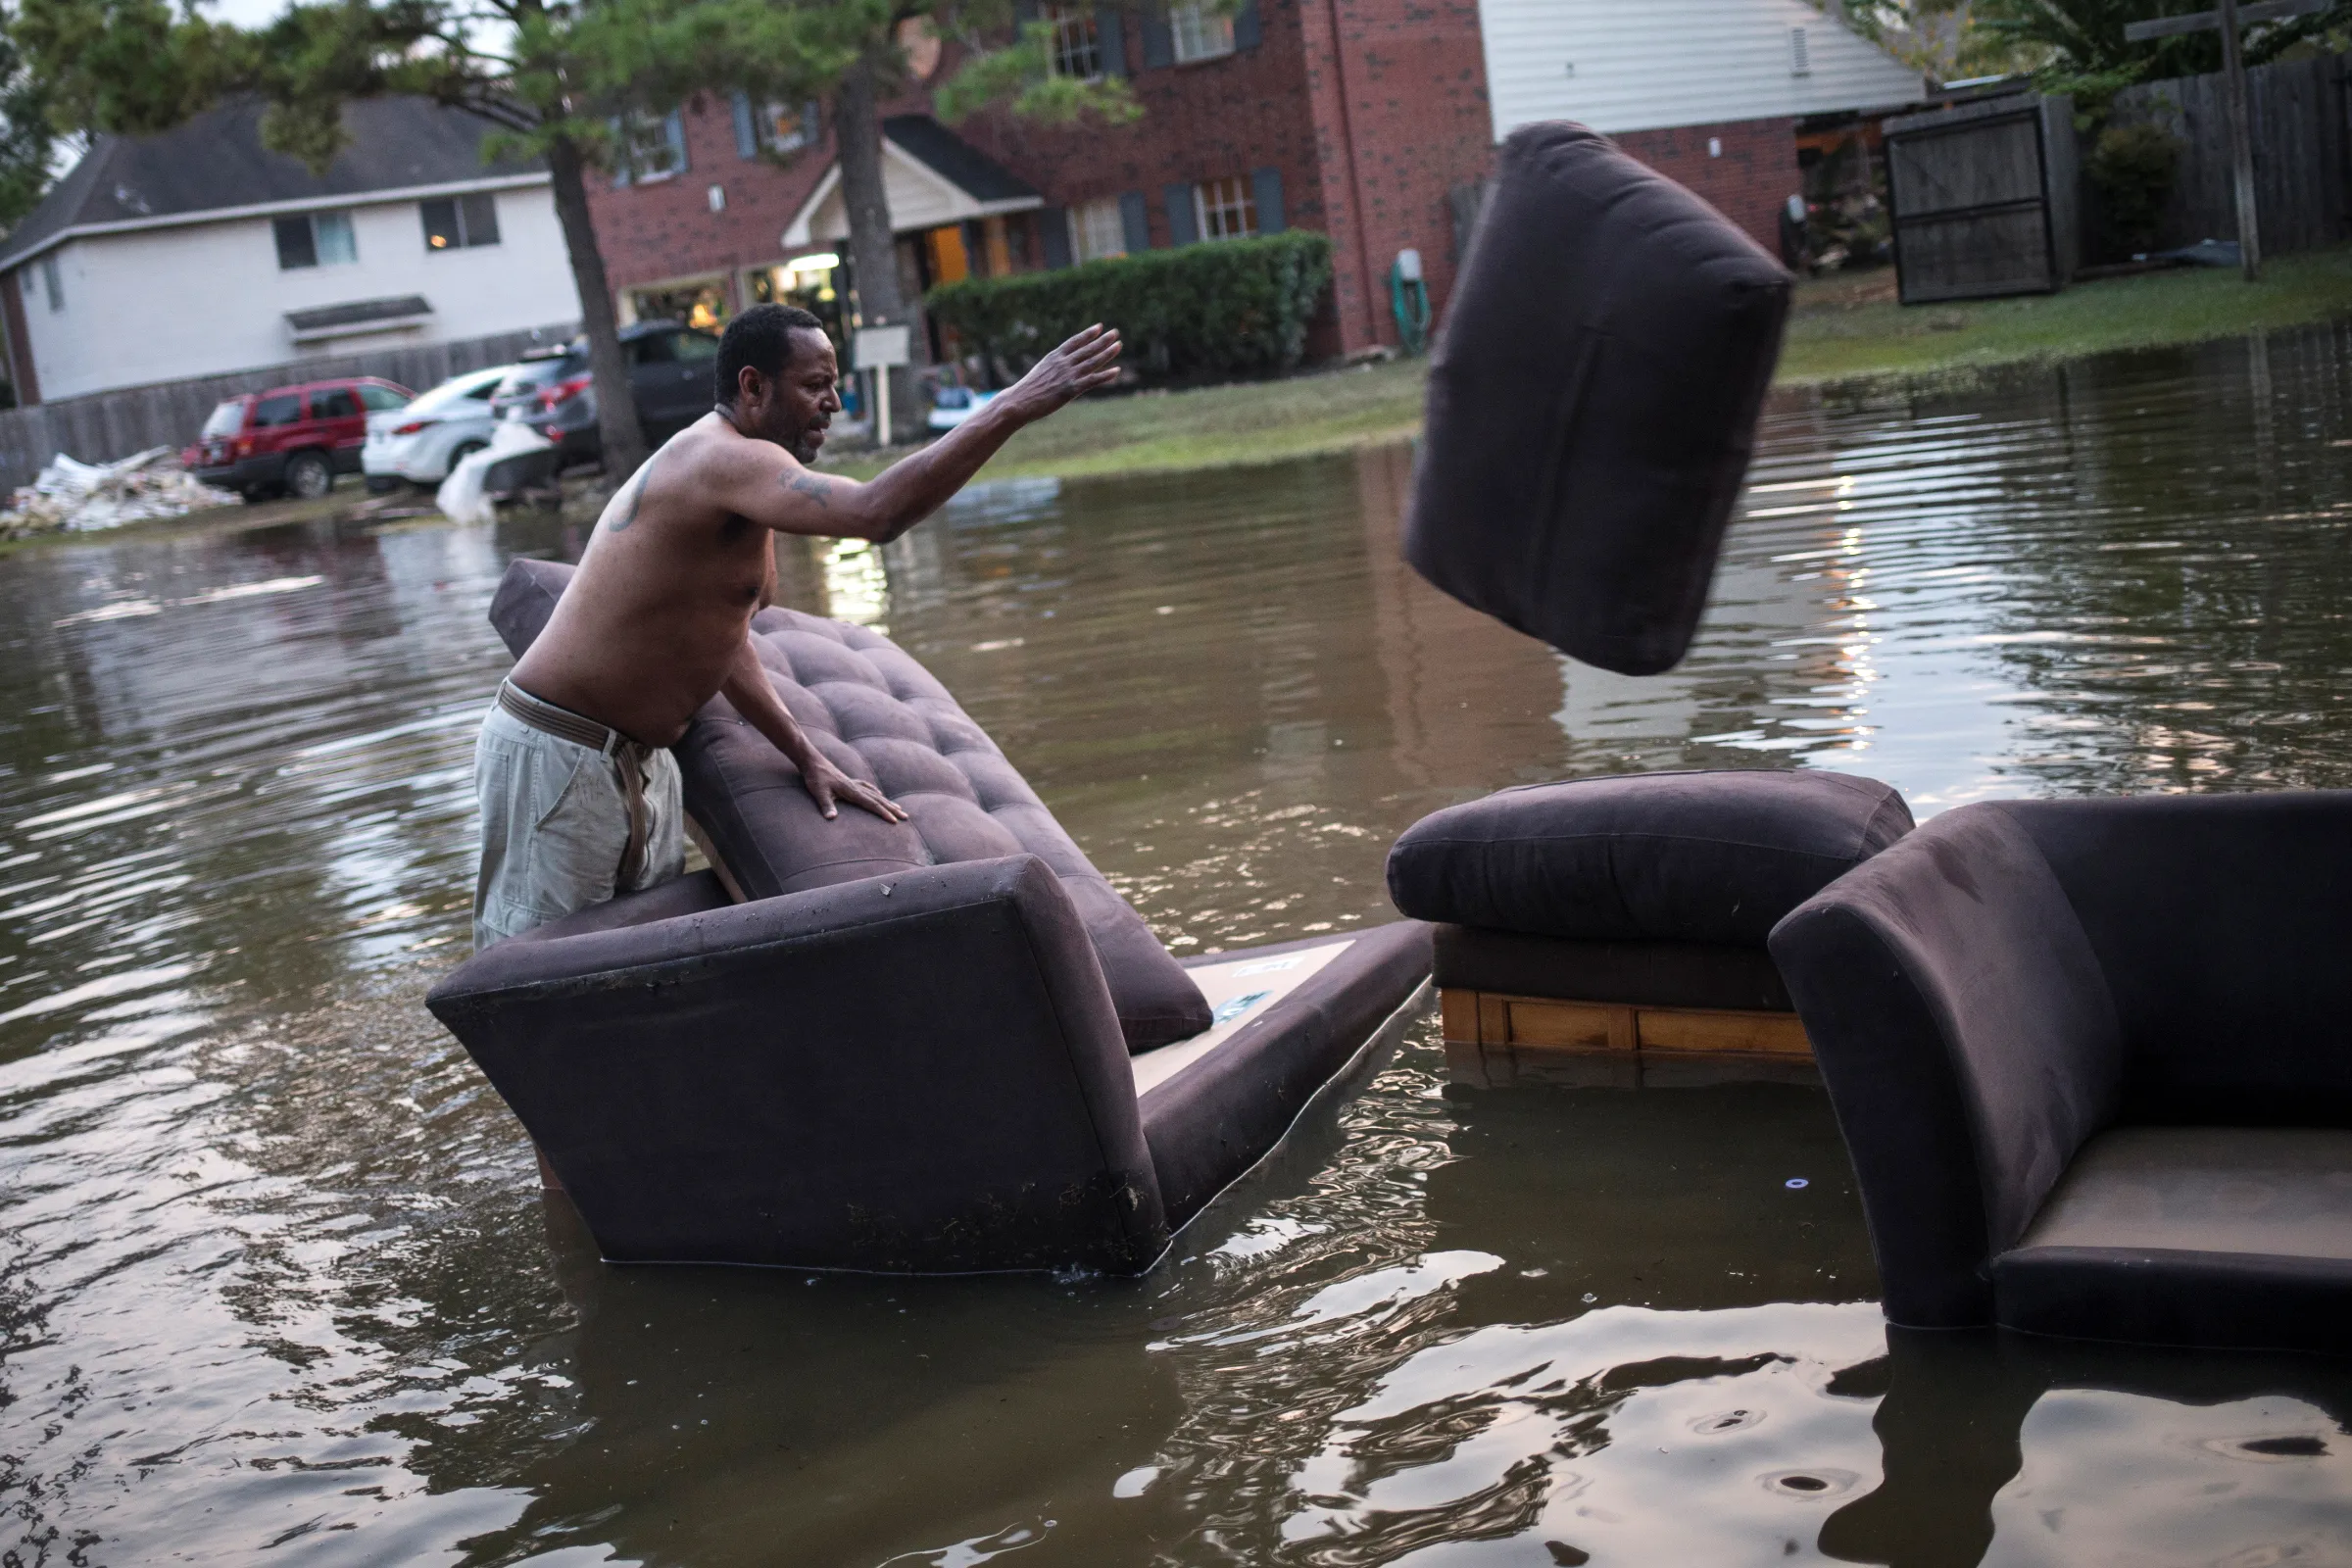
671	374
290	438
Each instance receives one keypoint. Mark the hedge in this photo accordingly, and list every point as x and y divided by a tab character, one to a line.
1218	308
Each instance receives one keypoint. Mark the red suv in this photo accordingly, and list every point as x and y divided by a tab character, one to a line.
290	438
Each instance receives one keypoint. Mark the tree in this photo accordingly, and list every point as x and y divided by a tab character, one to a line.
27	140
544	72
853	54
1939	38
2073	46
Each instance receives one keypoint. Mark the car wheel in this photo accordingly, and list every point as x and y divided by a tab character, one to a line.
309	475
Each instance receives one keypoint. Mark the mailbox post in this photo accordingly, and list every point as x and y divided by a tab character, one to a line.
881	350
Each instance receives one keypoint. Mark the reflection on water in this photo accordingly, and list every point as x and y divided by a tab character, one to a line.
275	1272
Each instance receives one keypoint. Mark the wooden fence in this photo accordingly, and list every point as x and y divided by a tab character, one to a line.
2302	170
107	425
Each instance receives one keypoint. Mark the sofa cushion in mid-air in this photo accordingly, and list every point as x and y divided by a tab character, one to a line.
1592	400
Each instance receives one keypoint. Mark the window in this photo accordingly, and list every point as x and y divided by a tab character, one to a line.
384	399
51	284
225	420
693	348
1225	208
651	349
335	402
457	222
1200	33
788	128
1096	229
1076	47
651	146
284	408
337	244
773	128
315	239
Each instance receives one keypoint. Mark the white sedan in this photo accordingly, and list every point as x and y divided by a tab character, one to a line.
951	406
421	442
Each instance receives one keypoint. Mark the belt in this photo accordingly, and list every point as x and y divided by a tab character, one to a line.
628	755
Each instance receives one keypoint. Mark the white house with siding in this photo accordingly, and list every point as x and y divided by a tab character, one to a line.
199	253
1657	64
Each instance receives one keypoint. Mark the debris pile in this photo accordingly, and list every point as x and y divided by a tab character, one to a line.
70	496
516	456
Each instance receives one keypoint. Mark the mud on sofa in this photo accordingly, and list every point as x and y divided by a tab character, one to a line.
941	1046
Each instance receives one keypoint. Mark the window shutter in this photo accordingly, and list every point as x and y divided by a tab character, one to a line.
1135	221
620	151
1110	41
1245	28
1159	39
1053	231
1182	228
746	128
674	125
1268	183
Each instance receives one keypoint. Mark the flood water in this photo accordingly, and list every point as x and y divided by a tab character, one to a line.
277	1284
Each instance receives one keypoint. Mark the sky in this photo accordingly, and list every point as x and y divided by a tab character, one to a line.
244	12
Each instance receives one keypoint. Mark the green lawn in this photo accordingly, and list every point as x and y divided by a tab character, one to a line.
1261	421
1844	328
1854	329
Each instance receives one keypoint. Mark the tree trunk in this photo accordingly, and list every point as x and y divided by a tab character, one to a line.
623	438
873	252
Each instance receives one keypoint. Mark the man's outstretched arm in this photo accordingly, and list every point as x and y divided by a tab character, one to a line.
747	687
791	499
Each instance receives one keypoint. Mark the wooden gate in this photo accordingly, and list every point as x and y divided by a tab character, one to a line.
1969	191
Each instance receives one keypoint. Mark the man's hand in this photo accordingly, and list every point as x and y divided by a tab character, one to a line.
827	784
763	483
747	687
1086	363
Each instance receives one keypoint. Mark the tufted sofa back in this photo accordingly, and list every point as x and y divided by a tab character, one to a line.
879	715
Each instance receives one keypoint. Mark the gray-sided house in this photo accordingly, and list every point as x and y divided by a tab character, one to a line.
198	252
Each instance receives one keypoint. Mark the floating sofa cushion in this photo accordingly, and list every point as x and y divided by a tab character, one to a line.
880	715
1698	856
1592	399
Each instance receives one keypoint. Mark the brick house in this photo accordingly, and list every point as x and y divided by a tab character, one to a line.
1372	120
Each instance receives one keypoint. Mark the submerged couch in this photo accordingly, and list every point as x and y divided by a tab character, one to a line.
2094	1061
941	1046
1611	930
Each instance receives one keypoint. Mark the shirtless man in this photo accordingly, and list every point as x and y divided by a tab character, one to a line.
579	795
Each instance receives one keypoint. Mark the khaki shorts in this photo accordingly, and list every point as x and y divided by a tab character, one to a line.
566	824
